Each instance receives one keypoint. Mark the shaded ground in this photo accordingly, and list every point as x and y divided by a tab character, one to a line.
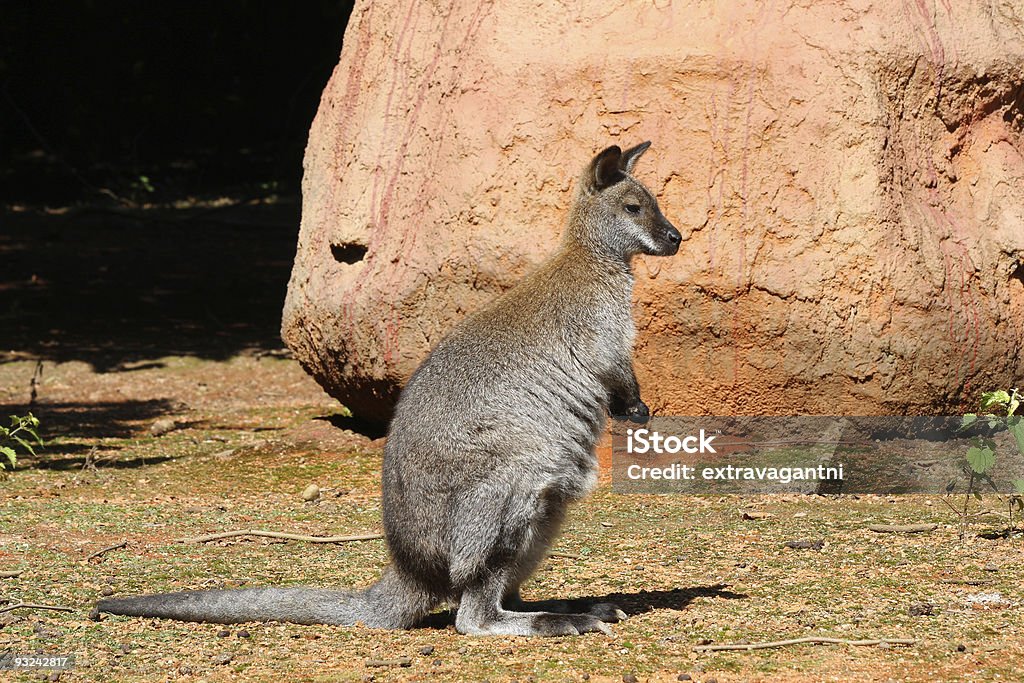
254	431
118	288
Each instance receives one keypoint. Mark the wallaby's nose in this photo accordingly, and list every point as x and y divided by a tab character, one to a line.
672	239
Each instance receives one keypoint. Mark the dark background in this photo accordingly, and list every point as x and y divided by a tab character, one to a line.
195	96
149	172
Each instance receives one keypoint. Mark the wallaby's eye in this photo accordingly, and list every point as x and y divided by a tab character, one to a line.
632	208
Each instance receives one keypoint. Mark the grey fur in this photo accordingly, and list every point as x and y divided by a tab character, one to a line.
493	437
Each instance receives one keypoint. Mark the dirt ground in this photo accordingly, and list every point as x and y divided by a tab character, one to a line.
170	411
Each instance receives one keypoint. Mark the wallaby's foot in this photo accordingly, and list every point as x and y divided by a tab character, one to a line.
505	623
605	611
551	624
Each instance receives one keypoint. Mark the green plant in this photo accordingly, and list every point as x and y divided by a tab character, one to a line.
23	432
143	184
997	408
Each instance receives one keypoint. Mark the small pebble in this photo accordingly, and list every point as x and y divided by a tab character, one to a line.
505	651
223	633
223	659
684	677
106	590
921	609
311	493
436	662
961	647
710	680
427	650
629	678
162	426
243	634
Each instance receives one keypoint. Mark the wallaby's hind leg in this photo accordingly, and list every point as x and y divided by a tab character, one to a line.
544	533
480	613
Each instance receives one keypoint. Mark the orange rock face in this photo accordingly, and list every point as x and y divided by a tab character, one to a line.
848	178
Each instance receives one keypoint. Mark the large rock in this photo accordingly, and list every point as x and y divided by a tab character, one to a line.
849	177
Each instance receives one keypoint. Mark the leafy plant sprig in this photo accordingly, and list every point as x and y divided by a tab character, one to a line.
997	408
23	433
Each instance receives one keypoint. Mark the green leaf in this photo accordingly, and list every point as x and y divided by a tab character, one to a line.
968	420
994	398
1014	403
11	455
1017	429
25	444
981	459
1019	485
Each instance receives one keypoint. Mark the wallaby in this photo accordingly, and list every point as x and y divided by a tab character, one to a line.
493	437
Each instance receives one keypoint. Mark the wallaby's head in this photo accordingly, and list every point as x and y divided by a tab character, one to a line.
617	216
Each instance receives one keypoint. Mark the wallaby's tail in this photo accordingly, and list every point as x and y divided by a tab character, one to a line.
392	602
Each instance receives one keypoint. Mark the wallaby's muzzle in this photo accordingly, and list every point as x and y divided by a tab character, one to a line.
669	239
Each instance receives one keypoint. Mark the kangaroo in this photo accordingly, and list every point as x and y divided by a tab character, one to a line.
492	438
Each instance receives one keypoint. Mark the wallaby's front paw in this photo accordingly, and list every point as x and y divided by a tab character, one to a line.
639	412
634	411
607	612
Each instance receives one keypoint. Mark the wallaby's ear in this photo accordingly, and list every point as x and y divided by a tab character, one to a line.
629	158
604	169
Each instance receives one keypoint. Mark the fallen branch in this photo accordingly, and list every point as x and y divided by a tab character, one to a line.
13	574
902	528
797	641
101	551
568	556
281	535
400	661
29	605
967	582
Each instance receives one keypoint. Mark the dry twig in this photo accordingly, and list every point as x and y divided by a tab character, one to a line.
400	661
797	641
281	535
106	550
902	528
29	605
